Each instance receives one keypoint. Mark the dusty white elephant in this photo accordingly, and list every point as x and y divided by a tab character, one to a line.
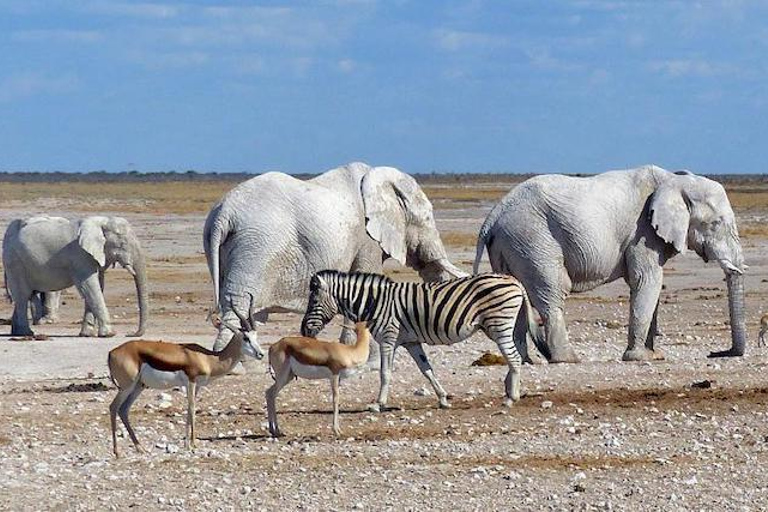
270	234
47	254
560	234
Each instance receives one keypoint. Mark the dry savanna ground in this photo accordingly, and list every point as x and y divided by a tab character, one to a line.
687	433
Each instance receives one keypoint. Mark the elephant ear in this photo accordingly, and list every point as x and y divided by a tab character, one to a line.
670	215
388	196
90	236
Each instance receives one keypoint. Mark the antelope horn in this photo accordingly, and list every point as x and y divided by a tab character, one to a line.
251	312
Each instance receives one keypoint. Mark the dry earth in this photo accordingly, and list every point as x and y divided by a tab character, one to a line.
688	433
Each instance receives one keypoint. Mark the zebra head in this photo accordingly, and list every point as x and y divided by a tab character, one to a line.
321	306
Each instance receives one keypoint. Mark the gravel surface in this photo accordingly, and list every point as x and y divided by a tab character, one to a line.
687	433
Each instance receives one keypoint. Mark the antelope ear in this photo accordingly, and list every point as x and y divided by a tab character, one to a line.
670	215
387	194
90	236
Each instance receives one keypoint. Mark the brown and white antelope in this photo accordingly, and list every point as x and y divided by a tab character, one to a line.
310	358
140	364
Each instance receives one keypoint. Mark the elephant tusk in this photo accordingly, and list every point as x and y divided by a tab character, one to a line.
730	267
451	268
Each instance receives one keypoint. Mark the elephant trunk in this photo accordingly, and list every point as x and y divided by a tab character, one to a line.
140	279
735	282
440	270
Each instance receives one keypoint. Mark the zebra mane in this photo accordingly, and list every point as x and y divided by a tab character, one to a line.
336	274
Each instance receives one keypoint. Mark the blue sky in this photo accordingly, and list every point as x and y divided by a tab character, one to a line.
462	86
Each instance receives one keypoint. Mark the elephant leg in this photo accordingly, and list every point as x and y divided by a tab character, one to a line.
88	323
417	353
90	289
653	331
19	320
51	302
547	288
36	305
645	288
560	350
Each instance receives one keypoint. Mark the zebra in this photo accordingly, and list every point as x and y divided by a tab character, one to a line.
411	313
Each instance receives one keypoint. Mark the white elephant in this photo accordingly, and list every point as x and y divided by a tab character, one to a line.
47	254
560	234
270	234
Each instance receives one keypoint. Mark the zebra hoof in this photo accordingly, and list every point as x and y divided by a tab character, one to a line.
375	407
444	404
508	402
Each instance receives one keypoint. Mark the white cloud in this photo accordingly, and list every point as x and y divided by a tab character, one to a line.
457	40
541	58
676	68
56	36
170	60
24	85
137	9
346	65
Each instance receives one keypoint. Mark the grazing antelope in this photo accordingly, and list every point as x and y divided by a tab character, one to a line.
137	365
310	358
763	330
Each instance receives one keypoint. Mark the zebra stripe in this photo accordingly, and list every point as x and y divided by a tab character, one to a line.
412	313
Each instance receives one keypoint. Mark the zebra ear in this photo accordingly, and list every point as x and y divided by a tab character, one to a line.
316	283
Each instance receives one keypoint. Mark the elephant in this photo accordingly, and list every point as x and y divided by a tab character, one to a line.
47	254
270	234
561	234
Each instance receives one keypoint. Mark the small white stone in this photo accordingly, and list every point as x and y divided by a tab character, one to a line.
546	404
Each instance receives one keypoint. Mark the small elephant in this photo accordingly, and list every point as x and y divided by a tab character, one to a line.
561	234
270	234
46	254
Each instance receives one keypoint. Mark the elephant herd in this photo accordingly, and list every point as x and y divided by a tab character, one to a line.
267	237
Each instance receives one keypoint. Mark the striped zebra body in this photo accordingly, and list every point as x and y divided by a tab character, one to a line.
410	314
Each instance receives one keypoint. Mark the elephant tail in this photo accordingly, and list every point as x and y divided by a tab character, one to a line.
214	235
11	233
483	239
534	322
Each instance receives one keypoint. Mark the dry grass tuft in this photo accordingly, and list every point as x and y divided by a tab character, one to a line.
144	197
458	239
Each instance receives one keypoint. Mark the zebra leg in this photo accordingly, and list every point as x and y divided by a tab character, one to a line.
418	355
504	339
387	352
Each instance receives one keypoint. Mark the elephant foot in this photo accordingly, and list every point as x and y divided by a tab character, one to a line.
509	402
22	332
87	331
563	355
642	354
731	352
534	359
106	333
